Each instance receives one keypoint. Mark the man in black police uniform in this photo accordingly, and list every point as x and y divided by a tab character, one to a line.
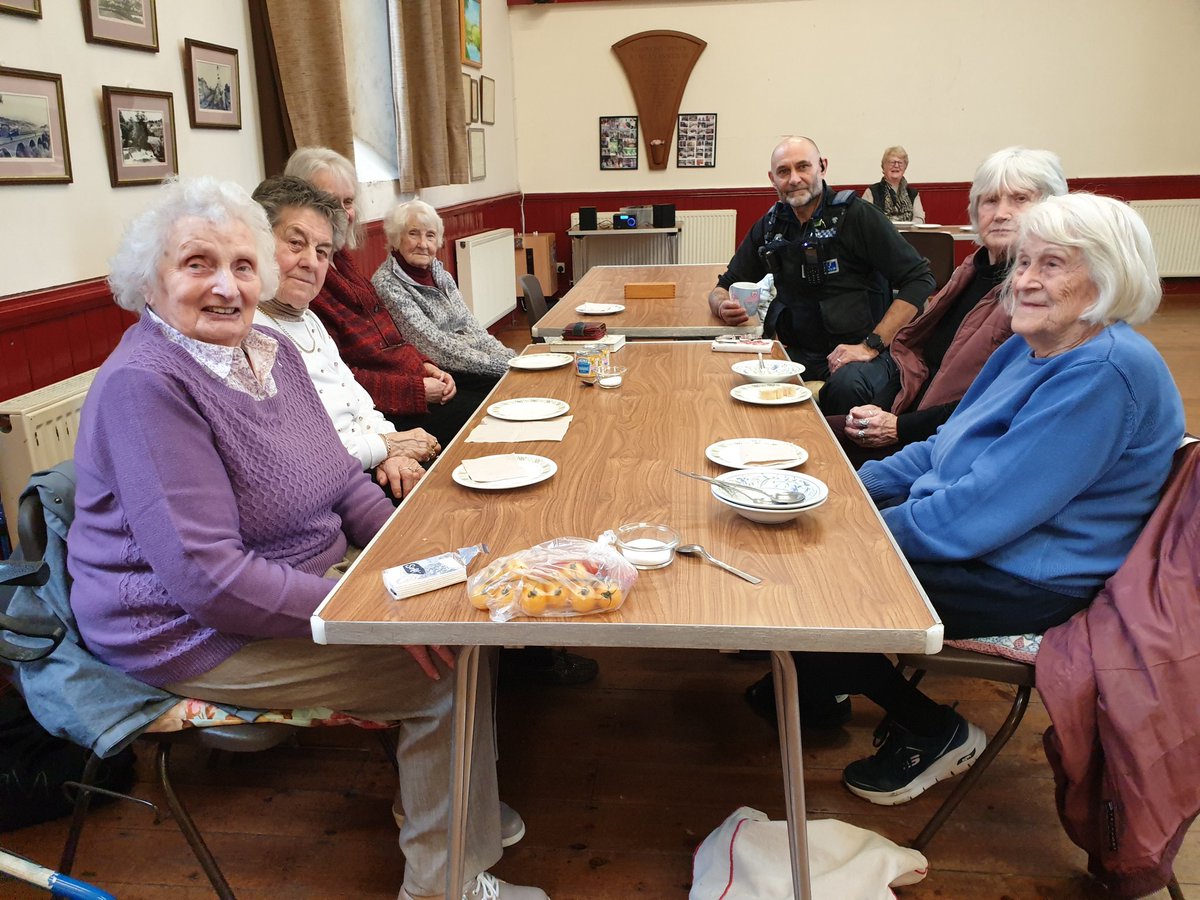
836	259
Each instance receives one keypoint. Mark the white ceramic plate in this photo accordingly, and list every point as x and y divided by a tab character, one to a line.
540	361
729	453
965	228
599	309
537	468
771	370
927	225
528	409
814	490
770	394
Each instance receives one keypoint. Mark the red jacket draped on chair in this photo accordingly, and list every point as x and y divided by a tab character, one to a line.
1120	682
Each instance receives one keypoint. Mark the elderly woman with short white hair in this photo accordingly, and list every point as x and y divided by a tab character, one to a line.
1018	509
215	506
426	303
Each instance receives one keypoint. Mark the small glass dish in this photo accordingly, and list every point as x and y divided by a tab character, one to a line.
647	546
611	377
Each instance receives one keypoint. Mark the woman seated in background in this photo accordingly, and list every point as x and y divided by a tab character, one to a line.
215	505
935	357
307	223
426	303
407	388
892	193
1030	496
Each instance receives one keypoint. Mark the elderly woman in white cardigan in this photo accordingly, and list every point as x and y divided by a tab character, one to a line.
426	304
307	223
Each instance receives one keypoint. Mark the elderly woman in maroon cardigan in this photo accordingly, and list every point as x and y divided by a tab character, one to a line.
936	356
407	388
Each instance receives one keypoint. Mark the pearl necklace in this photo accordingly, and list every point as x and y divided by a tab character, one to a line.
291	337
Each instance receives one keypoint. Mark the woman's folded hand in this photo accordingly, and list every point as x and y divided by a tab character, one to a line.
399	474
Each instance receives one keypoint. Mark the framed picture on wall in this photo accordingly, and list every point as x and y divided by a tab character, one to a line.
477	151
467	89
31	8
618	142
474	99
470	32
139	136
33	129
125	23
696	141
214	85
487	101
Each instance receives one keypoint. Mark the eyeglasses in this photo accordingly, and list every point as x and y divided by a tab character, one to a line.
893	163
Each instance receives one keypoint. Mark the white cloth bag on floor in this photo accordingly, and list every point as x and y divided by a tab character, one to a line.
747	858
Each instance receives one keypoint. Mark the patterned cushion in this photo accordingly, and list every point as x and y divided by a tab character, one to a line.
189	713
1019	647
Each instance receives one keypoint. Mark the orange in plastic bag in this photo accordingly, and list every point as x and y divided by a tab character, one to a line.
567	576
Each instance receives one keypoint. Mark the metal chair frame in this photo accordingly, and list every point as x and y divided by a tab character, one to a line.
251	737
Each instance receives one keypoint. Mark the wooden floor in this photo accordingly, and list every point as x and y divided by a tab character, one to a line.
617	780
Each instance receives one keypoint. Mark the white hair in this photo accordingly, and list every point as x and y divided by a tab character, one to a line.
309	161
133	269
412	212
1116	249
1016	169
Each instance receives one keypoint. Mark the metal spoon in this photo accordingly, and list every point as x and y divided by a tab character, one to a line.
697	549
781	497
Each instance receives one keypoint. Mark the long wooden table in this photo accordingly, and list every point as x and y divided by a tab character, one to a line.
832	579
685	316
958	232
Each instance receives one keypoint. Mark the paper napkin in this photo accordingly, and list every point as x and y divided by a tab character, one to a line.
499	431
495	468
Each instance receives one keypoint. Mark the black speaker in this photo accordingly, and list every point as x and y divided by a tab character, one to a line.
587	218
664	215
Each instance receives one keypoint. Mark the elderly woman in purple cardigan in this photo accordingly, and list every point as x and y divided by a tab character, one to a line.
215	504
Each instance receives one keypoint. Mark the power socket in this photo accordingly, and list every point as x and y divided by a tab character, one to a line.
560	268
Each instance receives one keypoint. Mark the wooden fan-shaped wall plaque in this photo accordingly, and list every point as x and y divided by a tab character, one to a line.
658	65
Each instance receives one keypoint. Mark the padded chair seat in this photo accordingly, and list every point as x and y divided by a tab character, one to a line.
190	713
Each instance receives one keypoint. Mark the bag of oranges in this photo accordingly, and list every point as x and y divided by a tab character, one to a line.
567	576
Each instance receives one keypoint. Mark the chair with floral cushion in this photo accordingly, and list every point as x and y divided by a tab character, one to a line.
1012	660
151	715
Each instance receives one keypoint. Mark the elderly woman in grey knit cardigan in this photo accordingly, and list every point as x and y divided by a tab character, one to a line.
425	302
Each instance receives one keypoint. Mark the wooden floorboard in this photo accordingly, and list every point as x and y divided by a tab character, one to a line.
618	782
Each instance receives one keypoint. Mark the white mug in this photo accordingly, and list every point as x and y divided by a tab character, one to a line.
747	295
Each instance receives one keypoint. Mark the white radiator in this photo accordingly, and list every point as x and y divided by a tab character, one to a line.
705	236
37	430
1175	229
487	272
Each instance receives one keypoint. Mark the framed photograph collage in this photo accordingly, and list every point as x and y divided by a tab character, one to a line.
139	123
696	141
618	142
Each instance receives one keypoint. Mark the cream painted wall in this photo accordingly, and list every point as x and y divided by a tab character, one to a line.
1110	85
57	234
499	139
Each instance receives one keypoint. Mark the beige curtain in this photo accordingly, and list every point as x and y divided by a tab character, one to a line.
427	79
301	64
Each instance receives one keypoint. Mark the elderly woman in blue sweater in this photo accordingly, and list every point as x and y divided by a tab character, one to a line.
1019	508
215	506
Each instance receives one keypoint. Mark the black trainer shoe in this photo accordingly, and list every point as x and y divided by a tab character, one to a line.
908	764
760	697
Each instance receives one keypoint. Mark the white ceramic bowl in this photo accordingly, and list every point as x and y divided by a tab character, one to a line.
767	516
776	370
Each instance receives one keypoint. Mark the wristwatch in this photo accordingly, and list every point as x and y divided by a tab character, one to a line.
874	342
